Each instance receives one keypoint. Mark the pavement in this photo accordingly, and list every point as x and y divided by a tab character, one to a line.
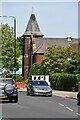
66	94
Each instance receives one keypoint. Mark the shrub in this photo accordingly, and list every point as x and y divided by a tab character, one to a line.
19	78
64	81
26	81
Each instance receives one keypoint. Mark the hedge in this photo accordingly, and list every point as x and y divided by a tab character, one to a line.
64	81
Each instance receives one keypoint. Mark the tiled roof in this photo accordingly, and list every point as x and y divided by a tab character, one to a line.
33	27
43	43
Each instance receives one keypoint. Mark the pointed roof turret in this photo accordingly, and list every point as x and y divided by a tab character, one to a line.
32	27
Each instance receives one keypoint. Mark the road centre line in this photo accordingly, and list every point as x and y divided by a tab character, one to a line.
49	101
23	107
60	104
78	114
69	109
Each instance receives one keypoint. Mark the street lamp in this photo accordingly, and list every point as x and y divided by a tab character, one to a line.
31	51
14	43
69	39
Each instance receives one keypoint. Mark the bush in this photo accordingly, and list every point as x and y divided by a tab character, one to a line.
35	69
26	81
64	81
19	78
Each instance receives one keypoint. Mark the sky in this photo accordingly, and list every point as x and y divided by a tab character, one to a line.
55	19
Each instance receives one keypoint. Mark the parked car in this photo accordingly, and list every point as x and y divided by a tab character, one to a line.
78	98
39	87
8	90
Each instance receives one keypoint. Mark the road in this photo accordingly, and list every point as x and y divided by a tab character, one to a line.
40	107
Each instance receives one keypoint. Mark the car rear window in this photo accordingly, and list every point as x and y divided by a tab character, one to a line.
43	83
6	80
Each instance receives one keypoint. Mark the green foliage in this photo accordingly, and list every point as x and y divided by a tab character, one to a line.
20	41
63	66
53	60
72	66
7	47
19	78
35	70
64	81
26	81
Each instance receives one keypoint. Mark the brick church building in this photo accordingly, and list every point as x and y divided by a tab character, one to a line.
35	44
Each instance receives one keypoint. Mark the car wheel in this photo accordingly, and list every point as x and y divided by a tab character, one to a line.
31	93
16	99
78	101
50	95
10	100
27	93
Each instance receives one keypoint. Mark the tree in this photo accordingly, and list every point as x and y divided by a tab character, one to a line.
53	60
7	47
72	65
35	69
20	41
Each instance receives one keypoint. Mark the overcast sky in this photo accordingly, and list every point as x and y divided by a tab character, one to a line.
55	19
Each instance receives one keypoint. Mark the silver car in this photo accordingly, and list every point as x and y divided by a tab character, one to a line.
39	87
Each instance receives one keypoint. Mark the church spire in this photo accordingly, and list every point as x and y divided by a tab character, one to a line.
32	10
33	27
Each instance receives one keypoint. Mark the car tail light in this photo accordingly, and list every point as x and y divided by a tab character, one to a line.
14	85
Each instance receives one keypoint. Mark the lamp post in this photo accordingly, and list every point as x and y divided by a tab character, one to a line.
69	39
31	52
14	43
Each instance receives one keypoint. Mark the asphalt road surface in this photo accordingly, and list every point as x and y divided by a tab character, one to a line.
40	107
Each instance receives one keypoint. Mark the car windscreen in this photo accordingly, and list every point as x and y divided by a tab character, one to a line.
40	83
4	80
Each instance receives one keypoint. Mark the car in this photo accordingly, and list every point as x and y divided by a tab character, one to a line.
78	98
8	90
39	87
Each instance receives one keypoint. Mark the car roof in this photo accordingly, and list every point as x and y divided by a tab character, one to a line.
38	80
5	78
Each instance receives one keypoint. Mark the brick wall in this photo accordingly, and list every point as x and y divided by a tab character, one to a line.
75	46
38	57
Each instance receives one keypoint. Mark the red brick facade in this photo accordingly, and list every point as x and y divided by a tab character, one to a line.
38	57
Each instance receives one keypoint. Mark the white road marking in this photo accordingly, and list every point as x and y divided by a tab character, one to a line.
49	101
69	109
60	104
78	114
